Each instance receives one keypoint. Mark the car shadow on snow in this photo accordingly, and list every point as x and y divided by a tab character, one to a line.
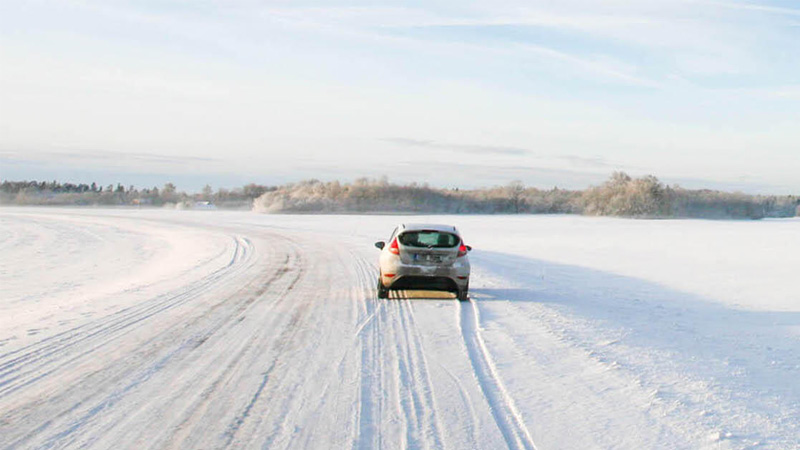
752	355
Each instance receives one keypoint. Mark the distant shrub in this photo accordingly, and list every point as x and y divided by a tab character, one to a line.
624	196
646	197
364	195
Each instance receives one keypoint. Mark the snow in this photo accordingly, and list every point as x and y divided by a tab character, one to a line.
131	328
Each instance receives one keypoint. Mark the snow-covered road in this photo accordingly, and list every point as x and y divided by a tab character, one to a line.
176	329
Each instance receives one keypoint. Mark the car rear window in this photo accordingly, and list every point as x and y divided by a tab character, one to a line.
429	238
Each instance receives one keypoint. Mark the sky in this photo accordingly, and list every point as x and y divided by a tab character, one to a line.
703	94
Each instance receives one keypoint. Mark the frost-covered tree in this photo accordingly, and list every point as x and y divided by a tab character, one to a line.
516	195
207	193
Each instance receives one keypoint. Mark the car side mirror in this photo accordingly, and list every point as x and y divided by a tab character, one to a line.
380	244
469	248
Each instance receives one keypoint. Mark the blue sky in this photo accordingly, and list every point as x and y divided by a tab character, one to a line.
698	93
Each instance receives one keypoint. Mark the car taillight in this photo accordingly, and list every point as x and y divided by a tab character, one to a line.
462	251
393	248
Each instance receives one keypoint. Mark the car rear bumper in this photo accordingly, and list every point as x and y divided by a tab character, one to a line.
408	276
427	283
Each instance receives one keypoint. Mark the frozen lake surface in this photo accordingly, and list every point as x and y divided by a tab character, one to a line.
211	329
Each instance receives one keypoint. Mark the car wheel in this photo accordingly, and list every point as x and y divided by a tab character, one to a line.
382	291
463	294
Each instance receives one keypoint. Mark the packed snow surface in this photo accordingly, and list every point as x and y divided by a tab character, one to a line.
209	329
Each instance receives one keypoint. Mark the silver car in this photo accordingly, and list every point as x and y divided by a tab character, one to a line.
424	256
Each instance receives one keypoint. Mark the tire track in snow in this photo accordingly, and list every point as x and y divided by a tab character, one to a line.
392	347
291	388
218	319
141	375
291	264
371	381
29	364
363	435
369	308
280	350
420	384
364	291
504	411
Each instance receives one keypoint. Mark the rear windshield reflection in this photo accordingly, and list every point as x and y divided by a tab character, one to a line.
428	239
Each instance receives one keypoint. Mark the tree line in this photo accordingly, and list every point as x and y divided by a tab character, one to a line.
380	196
621	195
55	193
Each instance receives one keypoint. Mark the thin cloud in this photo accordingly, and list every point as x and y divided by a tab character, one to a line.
762	8
95	157
788	92
587	162
592	66
385	23
461	148
467	175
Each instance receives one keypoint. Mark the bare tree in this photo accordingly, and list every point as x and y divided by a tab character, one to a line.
516	195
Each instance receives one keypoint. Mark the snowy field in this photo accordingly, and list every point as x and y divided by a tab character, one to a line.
208	329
